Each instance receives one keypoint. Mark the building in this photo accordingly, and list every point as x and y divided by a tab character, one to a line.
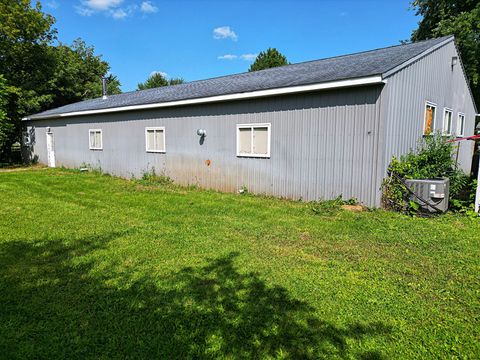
312	130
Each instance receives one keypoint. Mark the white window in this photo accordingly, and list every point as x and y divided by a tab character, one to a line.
429	118
155	139
447	121
95	139
460	124
253	140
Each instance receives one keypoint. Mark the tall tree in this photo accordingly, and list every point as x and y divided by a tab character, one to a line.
36	72
25	62
78	74
460	18
268	59
6	127
156	80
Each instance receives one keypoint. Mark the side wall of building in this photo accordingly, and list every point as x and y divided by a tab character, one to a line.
323	144
433	79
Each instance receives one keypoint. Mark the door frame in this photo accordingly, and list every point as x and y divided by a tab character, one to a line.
50	149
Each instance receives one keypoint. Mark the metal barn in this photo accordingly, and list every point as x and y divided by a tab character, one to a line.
312	130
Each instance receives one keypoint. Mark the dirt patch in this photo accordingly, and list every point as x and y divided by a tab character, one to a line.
354	208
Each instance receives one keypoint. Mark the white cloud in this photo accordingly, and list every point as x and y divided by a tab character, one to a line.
116	9
101	5
52	4
83	11
248	57
224	32
119	14
164	74
148	8
108	7
227	57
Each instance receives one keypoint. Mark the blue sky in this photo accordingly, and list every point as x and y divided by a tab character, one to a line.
199	39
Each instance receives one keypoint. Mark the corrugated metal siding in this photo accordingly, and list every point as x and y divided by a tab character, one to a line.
323	144
429	79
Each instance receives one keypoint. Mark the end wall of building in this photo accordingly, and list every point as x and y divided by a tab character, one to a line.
433	79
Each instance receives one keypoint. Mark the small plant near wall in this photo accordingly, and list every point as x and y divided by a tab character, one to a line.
432	159
331	207
150	177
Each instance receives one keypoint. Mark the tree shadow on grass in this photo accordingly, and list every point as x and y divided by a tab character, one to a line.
54	307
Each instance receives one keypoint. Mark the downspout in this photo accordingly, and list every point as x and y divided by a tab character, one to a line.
477	196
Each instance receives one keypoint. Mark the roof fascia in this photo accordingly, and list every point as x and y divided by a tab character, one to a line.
369	80
416	58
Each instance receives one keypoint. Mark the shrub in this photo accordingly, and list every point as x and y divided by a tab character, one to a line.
433	158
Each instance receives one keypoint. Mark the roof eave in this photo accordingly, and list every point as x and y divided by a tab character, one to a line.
369	80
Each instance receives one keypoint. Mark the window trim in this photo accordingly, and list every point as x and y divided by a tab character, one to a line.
252	126
90	131
458	118
432	104
445	110
155	128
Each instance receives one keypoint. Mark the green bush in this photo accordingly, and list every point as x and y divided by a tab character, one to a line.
433	158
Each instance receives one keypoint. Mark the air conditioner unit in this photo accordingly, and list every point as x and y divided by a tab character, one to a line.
431	194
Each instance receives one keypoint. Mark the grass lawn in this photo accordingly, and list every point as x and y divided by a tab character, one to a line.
98	267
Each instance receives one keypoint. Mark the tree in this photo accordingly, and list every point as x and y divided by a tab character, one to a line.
6	127
37	73
156	80
175	81
78	74
25	63
460	18
268	59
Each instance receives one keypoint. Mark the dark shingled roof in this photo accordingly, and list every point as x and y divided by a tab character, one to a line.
368	63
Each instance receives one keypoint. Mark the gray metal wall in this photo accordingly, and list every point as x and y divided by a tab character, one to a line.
323	144
433	79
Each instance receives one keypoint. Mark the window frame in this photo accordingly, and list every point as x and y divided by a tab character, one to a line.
445	111
90	131
431	104
155	128
462	134
252	126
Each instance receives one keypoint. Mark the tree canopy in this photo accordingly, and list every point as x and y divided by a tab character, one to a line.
454	17
156	80
37	72
268	59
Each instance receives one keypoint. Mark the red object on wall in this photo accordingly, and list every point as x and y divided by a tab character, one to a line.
474	137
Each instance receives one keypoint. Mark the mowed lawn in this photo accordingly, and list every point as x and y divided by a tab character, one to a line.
98	267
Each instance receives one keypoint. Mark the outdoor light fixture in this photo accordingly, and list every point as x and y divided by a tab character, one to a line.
454	61
48	129
202	132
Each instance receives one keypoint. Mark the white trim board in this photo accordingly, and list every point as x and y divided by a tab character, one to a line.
416	58
377	79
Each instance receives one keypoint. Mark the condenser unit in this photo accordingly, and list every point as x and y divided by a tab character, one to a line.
431	194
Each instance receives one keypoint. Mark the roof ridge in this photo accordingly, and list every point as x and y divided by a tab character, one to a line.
282	67
347	66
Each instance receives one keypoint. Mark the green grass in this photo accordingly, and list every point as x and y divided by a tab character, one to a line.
93	266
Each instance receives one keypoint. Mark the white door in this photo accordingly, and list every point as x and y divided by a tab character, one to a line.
50	150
